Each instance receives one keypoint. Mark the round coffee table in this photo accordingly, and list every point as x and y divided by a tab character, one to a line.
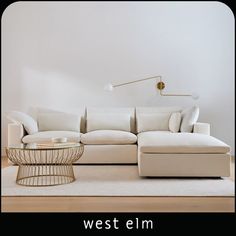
45	164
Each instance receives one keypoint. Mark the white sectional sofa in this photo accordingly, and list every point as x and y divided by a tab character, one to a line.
163	141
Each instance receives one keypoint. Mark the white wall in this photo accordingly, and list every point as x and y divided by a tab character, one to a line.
60	54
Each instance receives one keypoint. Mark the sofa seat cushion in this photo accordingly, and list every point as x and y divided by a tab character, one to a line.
108	137
46	136
167	142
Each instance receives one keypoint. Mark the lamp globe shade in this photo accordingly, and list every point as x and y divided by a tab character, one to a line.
108	87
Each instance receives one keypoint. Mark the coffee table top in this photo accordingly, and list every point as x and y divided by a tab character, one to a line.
45	146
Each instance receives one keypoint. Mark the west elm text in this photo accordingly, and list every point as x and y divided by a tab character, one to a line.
114	224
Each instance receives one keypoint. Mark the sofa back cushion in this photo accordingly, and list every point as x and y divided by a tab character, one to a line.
151	122
108	122
36	111
154	118
115	118
58	122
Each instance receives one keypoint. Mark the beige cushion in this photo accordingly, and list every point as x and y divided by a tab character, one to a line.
108	137
45	136
167	142
108	122
202	128
58	122
153	121
174	122
130	111
112	154
157	109
36	111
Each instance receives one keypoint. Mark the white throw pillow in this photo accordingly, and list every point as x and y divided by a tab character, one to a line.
189	118
108	122
27	121
153	122
58	122
174	122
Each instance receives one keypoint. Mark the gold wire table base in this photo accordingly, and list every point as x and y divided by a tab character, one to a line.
44	175
45	166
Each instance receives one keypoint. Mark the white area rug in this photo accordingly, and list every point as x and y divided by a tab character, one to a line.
119	181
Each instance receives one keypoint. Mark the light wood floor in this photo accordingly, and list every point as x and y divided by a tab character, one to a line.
118	204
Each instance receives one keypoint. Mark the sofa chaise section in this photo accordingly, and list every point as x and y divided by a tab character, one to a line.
162	153
185	151
168	142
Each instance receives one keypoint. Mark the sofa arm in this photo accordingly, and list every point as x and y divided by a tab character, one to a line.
15	134
202	128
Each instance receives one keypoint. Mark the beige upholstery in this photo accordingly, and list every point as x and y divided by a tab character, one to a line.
45	136
81	112
109	154
153	122
202	128
108	137
156	110
108	122
59	121
212	165
154	118
15	134
167	142
91	111
162	153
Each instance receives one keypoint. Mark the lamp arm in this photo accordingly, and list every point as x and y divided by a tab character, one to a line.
172	94
160	86
135	81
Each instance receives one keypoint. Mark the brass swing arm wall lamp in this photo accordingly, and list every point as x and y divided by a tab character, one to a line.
160	86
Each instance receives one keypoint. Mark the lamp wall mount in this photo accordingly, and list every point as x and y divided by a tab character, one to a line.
161	85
